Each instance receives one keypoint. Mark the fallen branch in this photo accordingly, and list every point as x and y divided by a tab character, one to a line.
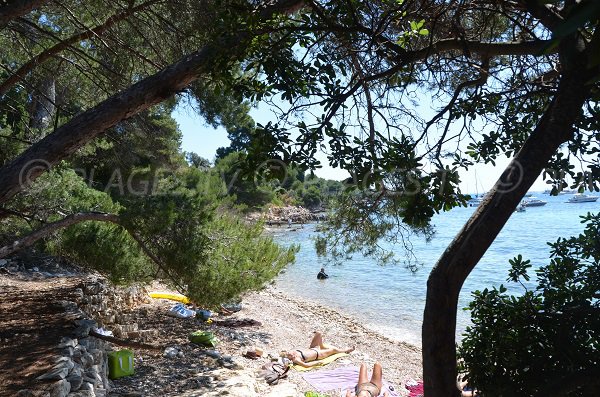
125	342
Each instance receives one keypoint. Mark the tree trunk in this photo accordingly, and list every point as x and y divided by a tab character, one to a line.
81	129
467	248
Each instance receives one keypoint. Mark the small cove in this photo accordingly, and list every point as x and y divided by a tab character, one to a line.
390	299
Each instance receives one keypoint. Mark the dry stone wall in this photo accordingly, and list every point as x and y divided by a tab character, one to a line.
80	364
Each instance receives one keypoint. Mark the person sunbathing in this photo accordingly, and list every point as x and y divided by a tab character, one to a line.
317	351
366	388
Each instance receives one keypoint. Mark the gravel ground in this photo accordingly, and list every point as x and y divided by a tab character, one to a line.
287	323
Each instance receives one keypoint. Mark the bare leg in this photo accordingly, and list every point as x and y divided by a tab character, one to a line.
317	341
362	374
330	351
377	377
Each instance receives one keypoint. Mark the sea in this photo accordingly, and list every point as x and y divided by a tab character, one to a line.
390	299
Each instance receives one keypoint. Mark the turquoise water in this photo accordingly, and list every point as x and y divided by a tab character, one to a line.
391	299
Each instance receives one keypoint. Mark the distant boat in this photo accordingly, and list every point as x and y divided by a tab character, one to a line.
582	198
475	201
520	208
533	202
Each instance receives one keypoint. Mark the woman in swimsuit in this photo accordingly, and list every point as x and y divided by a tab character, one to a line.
317	351
366	388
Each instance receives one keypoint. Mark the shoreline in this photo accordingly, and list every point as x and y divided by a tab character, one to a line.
290	322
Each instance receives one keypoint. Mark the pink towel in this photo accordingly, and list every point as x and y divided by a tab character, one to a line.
343	378
415	390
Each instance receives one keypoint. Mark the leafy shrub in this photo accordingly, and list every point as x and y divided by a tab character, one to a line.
547	341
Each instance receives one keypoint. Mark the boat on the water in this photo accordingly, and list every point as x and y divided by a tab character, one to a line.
520	208
476	200
533	202
582	198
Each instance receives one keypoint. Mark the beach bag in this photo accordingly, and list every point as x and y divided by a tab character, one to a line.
272	372
203	338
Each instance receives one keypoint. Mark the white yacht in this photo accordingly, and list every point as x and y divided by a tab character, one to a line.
582	198
533	202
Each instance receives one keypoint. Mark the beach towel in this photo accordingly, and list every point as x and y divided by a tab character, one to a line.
344	378
415	389
321	363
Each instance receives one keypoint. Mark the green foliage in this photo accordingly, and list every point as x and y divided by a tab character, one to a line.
252	189
311	197
547	338
106	248
239	258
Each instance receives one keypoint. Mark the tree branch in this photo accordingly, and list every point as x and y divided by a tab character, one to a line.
485	50
50	228
22	171
42	57
125	342
18	8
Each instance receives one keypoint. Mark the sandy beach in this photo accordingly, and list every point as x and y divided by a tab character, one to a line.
290	323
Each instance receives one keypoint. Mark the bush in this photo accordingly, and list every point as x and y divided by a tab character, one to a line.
547	341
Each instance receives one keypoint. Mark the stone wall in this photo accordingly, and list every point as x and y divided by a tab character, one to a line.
80	364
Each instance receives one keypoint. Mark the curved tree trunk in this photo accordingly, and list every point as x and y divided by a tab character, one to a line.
50	228
467	248
154	89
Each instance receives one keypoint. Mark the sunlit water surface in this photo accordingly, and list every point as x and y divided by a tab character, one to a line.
391	299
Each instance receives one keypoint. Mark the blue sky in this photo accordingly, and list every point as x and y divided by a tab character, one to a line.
203	139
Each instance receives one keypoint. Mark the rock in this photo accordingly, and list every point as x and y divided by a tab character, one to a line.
83	328
212	353
83	393
170	352
229	363
85	359
60	389
57	372
67	342
87	386
97	356
25	393
75	378
3	262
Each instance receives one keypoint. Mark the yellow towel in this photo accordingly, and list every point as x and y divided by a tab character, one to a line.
322	363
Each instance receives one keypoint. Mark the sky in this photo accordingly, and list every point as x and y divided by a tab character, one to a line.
204	140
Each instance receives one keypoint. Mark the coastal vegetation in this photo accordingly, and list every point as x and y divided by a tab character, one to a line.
91	87
545	341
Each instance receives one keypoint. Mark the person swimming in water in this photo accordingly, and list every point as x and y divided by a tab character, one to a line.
322	275
317	351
